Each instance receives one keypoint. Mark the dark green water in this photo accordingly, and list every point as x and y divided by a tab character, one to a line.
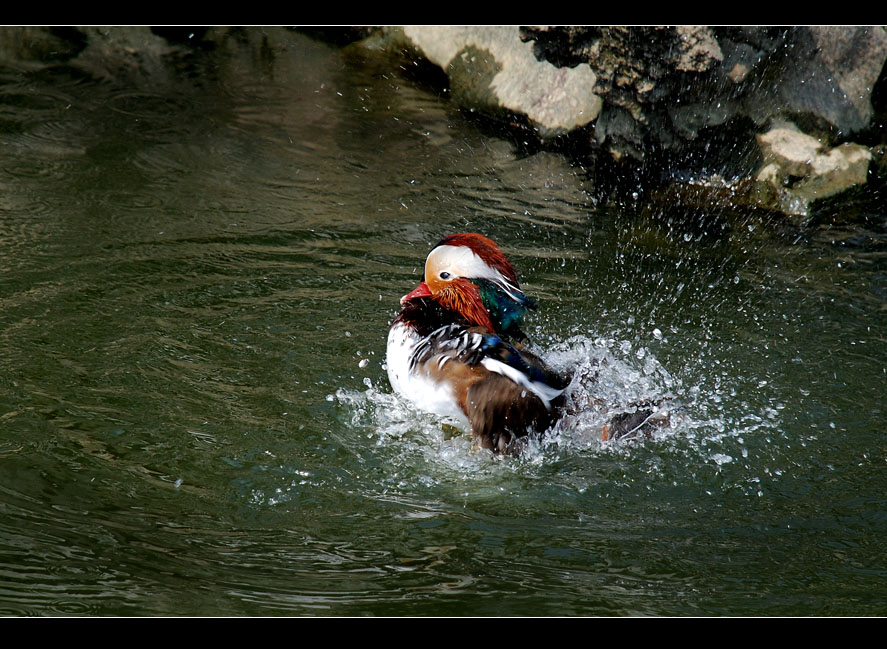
197	271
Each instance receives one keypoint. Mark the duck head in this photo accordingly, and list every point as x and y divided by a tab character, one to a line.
468	273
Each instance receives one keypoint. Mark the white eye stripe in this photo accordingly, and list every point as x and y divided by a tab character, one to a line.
461	261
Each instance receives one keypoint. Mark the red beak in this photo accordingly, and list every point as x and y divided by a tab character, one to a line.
420	291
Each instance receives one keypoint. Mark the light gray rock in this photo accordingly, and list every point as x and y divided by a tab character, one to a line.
491	70
835	171
789	150
699	50
798	169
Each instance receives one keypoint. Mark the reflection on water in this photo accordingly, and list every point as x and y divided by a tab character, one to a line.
198	272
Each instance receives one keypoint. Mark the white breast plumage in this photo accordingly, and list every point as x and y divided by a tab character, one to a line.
415	382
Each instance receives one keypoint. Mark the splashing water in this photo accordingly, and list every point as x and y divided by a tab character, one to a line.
610	377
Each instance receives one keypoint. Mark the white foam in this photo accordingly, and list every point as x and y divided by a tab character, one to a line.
609	377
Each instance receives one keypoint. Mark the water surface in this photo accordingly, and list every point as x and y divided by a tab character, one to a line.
198	272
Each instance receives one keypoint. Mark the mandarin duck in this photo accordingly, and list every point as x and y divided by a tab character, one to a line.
456	349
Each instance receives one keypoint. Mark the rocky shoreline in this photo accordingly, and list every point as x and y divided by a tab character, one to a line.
776	119
781	118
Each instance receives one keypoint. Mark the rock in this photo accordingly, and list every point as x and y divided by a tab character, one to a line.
798	169
879	161
789	150
665	88
132	53
836	171
492	71
699	50
35	47
852	60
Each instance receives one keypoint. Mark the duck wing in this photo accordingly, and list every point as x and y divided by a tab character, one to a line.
504	392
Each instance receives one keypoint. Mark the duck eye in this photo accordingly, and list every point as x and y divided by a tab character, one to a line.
444	275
